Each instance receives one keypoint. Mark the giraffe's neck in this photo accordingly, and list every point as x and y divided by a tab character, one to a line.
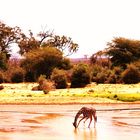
76	117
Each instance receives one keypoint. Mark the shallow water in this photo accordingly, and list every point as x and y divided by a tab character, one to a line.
54	122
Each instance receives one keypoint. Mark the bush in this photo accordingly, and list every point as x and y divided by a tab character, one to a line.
29	77
44	84
95	70
111	79
101	74
59	77
117	71
80	76
17	75
1	77
3	61
65	64
101	77
131	75
1	87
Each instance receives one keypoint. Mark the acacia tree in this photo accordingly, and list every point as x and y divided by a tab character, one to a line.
64	44
8	36
123	51
28	43
42	61
47	39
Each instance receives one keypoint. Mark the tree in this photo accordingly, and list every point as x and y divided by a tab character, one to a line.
27	44
123	51
8	36
42	61
47	39
64	44
3	61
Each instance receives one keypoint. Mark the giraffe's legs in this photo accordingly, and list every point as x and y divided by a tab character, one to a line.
90	121
86	119
80	121
95	119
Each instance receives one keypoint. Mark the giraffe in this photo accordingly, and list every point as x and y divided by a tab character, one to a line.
88	113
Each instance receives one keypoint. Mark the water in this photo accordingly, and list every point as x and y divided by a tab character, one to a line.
54	122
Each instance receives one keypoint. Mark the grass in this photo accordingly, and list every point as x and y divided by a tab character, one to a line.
130	97
101	93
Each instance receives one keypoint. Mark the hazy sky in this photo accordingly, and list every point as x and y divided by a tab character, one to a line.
90	23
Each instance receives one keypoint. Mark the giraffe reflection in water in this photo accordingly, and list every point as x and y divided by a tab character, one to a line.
85	134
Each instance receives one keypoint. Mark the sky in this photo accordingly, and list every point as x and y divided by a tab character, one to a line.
90	23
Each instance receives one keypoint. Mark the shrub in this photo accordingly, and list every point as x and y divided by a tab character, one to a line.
117	71
131	75
1	87
44	84
3	61
101	74
7	76
80	76
1	77
29	76
111	79
65	64
17	75
59	77
101	77
95	70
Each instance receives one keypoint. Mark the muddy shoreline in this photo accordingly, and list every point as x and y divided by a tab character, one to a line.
77	103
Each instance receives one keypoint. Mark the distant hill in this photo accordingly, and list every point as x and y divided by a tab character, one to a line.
78	60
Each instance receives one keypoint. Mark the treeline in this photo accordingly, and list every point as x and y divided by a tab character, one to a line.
118	63
42	57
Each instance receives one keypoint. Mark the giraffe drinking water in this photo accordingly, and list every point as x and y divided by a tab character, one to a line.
88	113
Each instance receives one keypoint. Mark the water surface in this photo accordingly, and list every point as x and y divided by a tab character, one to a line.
54	122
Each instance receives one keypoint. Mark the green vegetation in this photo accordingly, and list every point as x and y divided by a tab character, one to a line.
80	76
42	61
60	79
45	52
130	97
17	75
123	51
101	93
44	85
131	74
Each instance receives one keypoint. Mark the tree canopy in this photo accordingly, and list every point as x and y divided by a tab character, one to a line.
123	51
42	61
47	39
8	36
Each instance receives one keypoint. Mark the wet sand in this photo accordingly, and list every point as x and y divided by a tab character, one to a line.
54	122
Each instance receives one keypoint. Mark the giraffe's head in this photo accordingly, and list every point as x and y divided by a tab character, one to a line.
74	124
